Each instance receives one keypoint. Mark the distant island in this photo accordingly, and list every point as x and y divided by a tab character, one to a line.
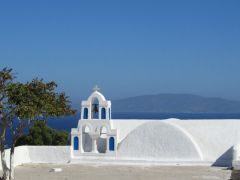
176	103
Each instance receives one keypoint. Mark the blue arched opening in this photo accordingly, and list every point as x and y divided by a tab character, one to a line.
85	113
103	113
111	144
76	143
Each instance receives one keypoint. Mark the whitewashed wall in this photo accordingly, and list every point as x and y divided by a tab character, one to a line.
21	156
208	141
172	140
40	154
49	154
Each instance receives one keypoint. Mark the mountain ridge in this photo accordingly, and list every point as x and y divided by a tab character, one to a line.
176	103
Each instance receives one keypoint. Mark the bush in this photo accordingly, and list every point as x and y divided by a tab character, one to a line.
41	134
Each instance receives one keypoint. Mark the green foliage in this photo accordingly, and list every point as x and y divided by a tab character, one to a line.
41	134
6	109
37	99
26	102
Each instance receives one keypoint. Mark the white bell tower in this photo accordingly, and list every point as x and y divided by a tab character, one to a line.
94	133
96	107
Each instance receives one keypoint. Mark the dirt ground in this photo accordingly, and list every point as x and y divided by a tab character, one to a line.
86	172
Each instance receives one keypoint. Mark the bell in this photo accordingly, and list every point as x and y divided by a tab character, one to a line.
95	109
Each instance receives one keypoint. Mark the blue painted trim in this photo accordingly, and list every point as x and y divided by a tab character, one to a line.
76	143
111	144
103	113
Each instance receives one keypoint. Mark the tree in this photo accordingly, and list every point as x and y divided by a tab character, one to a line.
41	134
6	113
23	103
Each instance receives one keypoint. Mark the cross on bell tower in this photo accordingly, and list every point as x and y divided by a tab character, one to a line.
96	88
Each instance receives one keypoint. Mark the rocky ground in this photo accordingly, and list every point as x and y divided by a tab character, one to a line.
76	172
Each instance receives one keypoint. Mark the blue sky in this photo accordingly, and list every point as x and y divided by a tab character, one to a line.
126	47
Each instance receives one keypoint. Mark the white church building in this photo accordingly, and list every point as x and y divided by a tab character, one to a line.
94	133
175	141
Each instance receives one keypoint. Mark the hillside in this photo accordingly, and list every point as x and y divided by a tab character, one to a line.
176	103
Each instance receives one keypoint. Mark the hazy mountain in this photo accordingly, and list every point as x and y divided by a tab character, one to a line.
176	103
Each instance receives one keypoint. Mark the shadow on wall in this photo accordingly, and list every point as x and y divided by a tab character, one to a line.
225	160
102	145
87	142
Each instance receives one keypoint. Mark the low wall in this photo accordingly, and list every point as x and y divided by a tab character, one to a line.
202	141
21	156
39	154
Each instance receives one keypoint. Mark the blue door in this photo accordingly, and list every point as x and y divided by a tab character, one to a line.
76	143
111	144
103	113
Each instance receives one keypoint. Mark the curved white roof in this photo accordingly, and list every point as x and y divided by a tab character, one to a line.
98	95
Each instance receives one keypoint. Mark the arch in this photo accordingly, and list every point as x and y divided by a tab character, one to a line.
76	143
97	95
111	144
85	113
103	113
164	141
86	138
102	140
95	108
87	127
102	127
103	132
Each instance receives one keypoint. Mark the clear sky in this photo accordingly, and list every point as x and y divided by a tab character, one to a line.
126	47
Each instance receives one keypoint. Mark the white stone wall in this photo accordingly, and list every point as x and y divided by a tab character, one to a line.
39	154
49	154
21	156
172	140
212	139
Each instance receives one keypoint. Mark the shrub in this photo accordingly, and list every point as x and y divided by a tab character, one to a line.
41	134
